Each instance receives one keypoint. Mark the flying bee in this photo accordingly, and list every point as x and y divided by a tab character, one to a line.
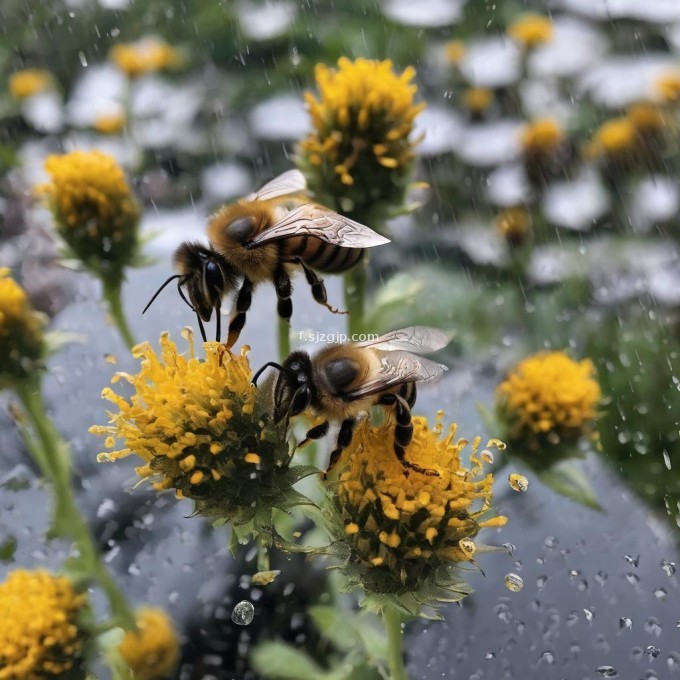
342	382
266	236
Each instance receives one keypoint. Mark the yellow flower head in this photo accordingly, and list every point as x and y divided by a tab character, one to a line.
531	30
514	224
29	81
152	651
21	331
40	636
403	525
200	427
614	139
110	124
549	398
359	152
647	118
147	55
95	211
668	87
542	136
455	51
477	99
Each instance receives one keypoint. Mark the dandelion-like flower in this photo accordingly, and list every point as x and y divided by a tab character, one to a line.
615	139
21	332
359	154
477	99
109	124
531	30
147	55
548	398
29	81
152	651
514	224
454	51
201	428
40	631
405	529
647	118
668	87
542	136
94	209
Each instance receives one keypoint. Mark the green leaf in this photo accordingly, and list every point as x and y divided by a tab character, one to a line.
279	661
335	625
568	479
7	549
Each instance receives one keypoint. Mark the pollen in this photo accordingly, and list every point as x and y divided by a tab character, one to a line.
252	458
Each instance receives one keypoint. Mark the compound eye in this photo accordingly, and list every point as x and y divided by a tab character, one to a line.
341	372
213	274
241	230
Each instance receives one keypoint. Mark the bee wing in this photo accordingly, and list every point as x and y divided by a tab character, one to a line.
397	368
290	182
314	220
419	339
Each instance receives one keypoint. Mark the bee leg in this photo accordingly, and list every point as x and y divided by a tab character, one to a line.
202	328
317	432
318	288
284	289
238	321
344	439
218	321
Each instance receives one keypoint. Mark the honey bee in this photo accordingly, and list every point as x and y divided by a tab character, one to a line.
342	382
263	237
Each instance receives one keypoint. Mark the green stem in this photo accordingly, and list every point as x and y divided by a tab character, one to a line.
395	637
284	338
55	463
262	556
113	298
355	297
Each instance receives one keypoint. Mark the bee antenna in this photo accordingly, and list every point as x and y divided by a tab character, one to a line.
269	364
158	292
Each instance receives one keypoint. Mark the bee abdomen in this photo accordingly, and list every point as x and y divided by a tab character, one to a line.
326	257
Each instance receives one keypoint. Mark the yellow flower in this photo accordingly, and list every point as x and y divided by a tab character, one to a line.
477	99
29	81
403	525
359	155
145	56
110	124
542	136
549	398
152	651
95	211
668	87
647	118
201	428
455	51
616	139
514	224
40	635
531	30
21	331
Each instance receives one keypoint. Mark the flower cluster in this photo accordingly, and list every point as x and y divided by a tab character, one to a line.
404	526
359	152
548	398
668	87
145	56
95	211
531	30
21	332
29	81
202	429
40	631
151	651
514	224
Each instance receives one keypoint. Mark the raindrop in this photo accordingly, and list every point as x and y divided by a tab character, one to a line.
510	548
625	623
652	652
518	482
514	582
83	63
632	560
589	614
673	661
632	578
660	593
607	671
653	627
548	657
487	456
667	459
541	581
668	567
550	542
489	656
243	613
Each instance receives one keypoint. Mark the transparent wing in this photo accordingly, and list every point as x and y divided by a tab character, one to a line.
314	220
419	339
397	368
290	182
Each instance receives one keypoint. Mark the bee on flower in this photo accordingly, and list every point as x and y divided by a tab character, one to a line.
359	156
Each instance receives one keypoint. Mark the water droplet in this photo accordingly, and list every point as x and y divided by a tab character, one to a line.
83	63
653	627
667	459
518	482
514	582
668	567
489	656
673	661
652	652
548	657
625	623
607	671
660	593
467	546
541	581
589	614
632	560
550	542
487	456
111	359
633	579
243	613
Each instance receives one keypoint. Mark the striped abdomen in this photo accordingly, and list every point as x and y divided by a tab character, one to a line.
322	256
